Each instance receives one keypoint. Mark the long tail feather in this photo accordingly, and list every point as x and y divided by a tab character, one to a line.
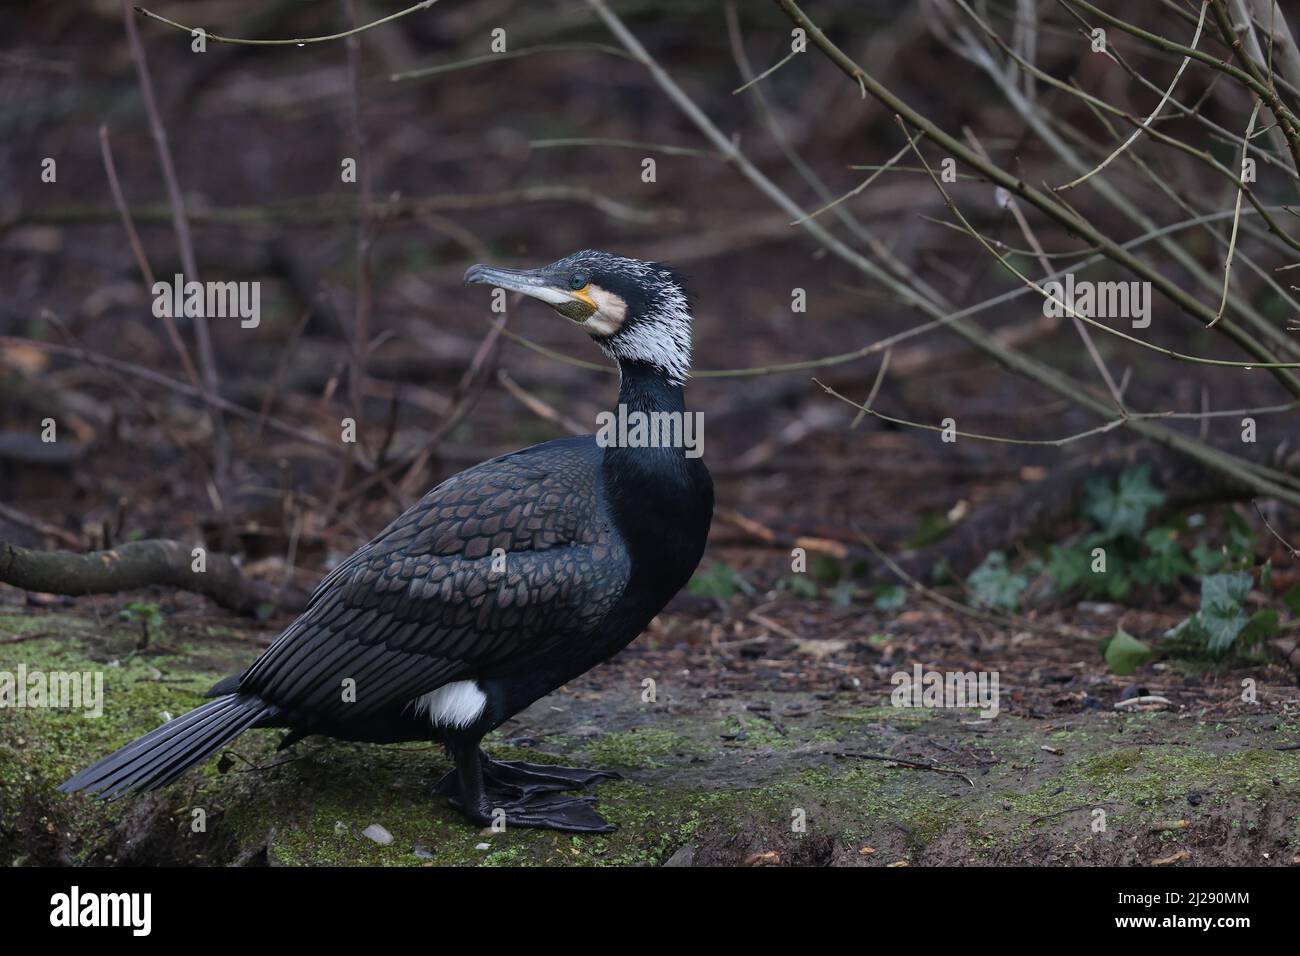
163	754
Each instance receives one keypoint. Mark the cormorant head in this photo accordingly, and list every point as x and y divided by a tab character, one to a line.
635	311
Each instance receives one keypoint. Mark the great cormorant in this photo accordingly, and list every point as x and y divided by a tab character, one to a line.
498	586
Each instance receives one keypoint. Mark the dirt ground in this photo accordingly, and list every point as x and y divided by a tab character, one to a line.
758	751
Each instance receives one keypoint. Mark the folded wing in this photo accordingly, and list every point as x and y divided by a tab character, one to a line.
494	564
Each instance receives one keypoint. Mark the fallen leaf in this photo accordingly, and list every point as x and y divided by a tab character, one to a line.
835	549
1169	860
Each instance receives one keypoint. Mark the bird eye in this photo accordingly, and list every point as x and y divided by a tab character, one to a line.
578	282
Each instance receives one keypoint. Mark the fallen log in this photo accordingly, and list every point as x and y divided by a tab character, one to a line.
141	564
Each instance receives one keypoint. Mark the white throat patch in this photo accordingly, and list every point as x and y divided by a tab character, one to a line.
457	704
662	337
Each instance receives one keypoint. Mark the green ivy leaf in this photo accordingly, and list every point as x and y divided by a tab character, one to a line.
1124	653
1223	601
890	597
800	585
719	581
1122	510
1167	561
1241	539
843	594
824	568
932	526
994	585
1262	626
1068	567
1207	560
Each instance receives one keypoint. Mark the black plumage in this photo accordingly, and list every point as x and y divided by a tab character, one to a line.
498	586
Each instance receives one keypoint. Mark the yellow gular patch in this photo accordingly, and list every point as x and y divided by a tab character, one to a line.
610	312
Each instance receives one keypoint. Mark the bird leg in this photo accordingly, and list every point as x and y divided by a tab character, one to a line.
529	795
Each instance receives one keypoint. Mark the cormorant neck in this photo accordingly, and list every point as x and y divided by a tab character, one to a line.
650	429
647	388
652	449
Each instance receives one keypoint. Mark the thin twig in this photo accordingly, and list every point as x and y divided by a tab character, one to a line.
1050	206
1258	84
1236	214
24	520
207	361
1069	308
328	209
858	188
1122	203
1150	119
296	41
875	389
361	319
541	409
467	393
1032	239
1271	530
980	615
1017	361
123	212
583	141
277	376
1048	442
157	378
766	73
899	762
473	61
137	249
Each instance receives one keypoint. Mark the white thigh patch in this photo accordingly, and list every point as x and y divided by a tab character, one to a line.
457	704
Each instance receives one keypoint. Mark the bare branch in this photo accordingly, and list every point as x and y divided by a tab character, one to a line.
296	41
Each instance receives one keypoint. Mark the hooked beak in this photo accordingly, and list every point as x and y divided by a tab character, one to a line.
535	283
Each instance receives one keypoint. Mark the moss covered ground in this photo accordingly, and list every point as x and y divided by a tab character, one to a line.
705	779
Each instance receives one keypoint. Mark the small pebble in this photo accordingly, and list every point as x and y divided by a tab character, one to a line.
378	834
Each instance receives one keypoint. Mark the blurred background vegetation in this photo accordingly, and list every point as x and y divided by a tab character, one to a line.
466	153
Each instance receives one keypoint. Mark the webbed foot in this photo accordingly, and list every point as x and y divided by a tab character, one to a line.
540	811
529	795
